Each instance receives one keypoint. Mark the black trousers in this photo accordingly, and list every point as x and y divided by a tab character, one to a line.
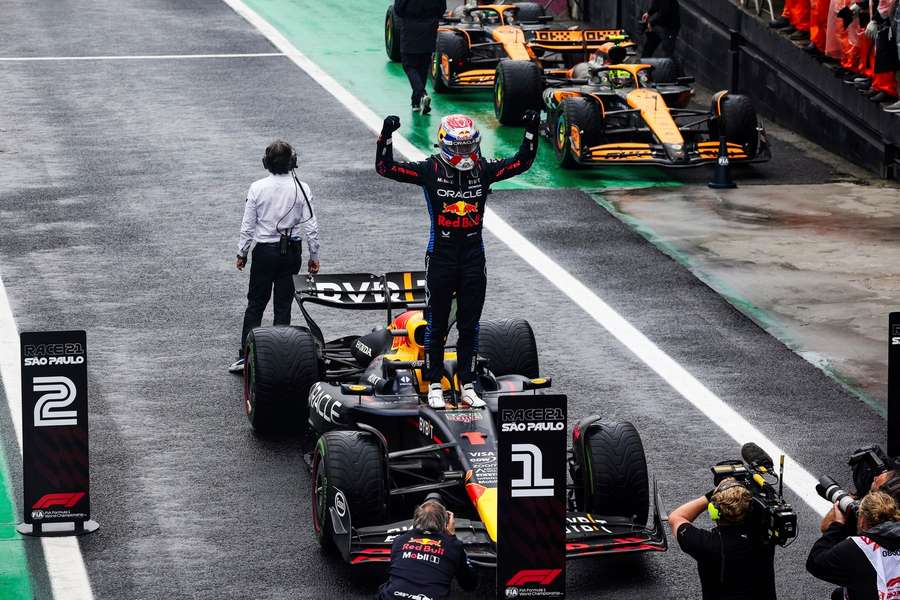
663	39
416	67
270	270
463	274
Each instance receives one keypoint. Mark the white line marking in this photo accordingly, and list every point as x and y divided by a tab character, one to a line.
135	57
65	565
797	478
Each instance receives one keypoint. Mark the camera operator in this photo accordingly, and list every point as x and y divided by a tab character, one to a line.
425	559
865	565
728	552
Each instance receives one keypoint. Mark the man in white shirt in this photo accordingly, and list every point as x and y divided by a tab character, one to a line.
277	207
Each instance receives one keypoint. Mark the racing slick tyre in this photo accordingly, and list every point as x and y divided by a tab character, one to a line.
737	122
614	469
517	88
282	363
665	70
455	48
391	35
509	347
354	463
529	12
578	114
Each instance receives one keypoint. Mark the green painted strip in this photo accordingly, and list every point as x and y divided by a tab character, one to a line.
15	583
755	313
347	40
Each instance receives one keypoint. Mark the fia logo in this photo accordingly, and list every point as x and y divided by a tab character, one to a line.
60	393
532	482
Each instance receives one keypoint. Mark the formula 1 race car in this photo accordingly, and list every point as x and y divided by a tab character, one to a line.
473	40
607	111
381	449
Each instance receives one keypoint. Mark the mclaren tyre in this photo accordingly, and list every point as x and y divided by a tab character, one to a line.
282	363
453	48
665	70
578	124
349	472
613	472
529	12
509	347
517	88
391	35
737	121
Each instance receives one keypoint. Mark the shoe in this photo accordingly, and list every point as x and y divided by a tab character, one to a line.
811	48
781	21
799	36
851	78
789	29
881	97
436	396
893	108
416	108
470	397
426	104
237	366
862	83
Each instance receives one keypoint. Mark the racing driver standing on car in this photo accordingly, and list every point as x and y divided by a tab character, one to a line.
456	182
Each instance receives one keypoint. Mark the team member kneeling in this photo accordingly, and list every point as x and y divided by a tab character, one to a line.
865	564
425	560
732	564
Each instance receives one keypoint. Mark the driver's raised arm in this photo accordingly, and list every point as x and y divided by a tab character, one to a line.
404	172
498	170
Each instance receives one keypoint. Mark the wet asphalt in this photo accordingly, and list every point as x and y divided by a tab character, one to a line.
121	192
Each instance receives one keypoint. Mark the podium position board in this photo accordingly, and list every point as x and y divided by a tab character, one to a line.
531	544
893	416
55	433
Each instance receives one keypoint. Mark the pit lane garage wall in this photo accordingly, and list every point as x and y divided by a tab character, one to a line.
788	86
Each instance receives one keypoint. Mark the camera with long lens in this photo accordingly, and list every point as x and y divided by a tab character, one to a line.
829	489
771	518
866	464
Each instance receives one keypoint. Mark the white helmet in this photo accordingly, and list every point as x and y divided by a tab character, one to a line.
459	141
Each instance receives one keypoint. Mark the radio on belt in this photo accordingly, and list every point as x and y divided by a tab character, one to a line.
55	467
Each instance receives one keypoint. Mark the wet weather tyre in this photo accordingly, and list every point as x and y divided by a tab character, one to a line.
517	88
584	116
665	70
354	463
737	121
392	35
281	364
615	472
509	347
455	48
529	12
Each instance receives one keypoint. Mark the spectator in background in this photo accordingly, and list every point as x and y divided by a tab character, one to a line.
662	21
895	107
418	20
885	62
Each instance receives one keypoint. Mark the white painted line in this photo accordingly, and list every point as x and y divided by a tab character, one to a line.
65	565
737	427
135	57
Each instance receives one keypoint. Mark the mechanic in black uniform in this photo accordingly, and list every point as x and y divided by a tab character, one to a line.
277	208
425	560
456	182
732	565
866	564
418	21
662	22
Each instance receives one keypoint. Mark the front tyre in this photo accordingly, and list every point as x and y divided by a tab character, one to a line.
452	47
391	35
737	121
517	88
509	347
578	126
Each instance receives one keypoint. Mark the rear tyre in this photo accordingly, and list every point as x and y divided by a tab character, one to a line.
509	346
391	35
282	363
737	121
455	48
579	114
614	471
665	70
529	12
517	88
354	463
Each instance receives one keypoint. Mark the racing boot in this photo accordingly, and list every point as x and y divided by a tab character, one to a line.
436	396
470	396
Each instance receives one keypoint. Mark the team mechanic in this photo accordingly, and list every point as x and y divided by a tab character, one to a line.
456	182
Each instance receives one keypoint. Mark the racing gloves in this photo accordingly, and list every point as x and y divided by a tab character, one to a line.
391	124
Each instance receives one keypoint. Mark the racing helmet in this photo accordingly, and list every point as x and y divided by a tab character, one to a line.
459	141
619	78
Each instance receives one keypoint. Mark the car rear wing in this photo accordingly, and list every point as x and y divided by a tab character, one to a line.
360	291
575	40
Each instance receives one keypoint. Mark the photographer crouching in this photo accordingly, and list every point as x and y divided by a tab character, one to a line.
751	518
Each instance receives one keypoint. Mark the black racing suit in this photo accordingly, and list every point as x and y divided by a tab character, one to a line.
423	565
454	261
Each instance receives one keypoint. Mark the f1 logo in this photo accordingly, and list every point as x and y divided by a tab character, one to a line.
539	576
64	500
60	394
532	482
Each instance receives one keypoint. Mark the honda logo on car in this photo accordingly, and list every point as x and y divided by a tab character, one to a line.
533	419
324	404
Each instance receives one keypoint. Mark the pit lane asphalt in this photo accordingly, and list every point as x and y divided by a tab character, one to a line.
122	189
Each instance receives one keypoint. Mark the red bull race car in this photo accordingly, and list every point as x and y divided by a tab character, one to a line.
380	449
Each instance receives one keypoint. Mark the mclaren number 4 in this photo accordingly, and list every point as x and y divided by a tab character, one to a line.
380	449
